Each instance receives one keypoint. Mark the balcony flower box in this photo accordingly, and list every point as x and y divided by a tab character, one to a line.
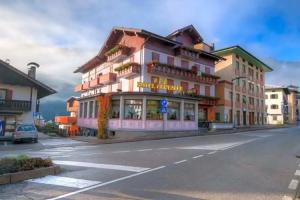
129	69
117	53
108	78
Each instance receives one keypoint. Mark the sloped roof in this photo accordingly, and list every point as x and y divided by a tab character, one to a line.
188	29
13	76
245	54
100	57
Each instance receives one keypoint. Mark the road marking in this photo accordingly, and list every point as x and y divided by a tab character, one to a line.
101	166
164	148
63	156
178	162
64	181
106	183
297	173
212	152
199	156
53	142
145	150
293	184
121	151
285	197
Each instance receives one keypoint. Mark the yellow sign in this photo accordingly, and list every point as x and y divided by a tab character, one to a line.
162	86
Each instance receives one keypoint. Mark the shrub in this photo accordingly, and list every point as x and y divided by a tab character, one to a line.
22	163
51	128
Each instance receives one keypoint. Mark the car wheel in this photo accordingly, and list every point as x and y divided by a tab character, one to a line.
35	140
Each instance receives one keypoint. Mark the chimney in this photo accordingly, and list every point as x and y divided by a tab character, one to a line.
32	69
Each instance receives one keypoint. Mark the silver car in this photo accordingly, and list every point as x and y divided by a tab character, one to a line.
25	132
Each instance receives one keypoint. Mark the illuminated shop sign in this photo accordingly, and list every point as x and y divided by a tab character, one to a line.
161	86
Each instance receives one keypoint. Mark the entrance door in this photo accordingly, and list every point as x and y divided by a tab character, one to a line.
244	118
238	121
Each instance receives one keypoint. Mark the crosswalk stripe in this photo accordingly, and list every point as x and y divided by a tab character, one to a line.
64	181
101	166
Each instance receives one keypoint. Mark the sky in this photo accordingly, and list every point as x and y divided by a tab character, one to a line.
61	35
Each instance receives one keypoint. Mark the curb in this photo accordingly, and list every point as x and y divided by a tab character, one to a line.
176	136
30	174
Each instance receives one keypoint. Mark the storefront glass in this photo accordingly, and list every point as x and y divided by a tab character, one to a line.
153	111
173	110
189	111
115	114
133	109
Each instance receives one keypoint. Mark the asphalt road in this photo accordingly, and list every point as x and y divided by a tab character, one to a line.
251	165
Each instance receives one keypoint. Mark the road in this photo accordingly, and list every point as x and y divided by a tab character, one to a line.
254	165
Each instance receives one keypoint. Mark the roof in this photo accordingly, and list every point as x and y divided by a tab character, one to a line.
100	57
191	30
245	54
11	75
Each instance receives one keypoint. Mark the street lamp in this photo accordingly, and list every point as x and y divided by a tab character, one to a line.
232	112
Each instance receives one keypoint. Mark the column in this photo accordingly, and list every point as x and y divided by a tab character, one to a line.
144	112
196	114
182	110
121	111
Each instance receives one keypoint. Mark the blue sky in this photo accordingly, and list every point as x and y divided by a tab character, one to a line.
61	35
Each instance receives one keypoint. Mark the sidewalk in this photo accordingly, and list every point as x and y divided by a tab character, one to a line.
167	135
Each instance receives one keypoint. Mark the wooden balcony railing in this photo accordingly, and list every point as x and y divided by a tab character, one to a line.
15	105
128	70
103	79
117	53
180	73
82	87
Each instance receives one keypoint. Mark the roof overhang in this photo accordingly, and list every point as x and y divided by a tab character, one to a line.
244	54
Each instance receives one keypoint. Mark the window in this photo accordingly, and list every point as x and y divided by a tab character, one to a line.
244	99
170	60
173	110
133	109
244	84
197	89
80	110
274	96
153	110
155	81
189	111
257	89
244	69
85	109
91	109
266	96
184	85
230	95
2	94
155	56
207	91
275	117
257	102
96	109
237	66
238	98
218	116
274	106
207	70
115	114
184	64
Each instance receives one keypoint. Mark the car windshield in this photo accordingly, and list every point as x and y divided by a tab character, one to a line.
26	128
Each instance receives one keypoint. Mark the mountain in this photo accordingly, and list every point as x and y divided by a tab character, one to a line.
49	109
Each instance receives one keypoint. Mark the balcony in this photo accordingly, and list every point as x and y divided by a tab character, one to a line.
238	104
82	87
251	93
180	73
251	107
244	90
103	79
237	88
15	105
237	72
117	53
128	70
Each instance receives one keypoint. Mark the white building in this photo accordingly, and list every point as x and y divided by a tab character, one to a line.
276	99
19	95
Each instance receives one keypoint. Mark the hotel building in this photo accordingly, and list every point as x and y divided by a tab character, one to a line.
241	88
139	69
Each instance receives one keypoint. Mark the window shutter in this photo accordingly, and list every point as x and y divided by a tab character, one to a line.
8	95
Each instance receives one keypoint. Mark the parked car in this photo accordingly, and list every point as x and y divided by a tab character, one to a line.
25	132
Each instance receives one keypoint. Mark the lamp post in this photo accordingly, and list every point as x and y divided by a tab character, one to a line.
232	106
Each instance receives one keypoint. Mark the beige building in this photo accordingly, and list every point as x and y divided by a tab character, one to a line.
241	87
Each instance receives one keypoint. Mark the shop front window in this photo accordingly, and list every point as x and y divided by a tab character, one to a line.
173	110
133	109
115	114
85	109
189	111
153	110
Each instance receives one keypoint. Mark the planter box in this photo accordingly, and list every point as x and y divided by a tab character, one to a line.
30	174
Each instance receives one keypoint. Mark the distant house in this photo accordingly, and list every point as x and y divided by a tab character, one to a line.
20	95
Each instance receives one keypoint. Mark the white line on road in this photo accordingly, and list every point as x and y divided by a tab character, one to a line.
101	166
164	148
121	151
293	184
285	197
106	183
178	162
199	156
297	173
212	152
64	181
145	150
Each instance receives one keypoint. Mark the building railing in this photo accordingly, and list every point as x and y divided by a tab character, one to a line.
15	105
